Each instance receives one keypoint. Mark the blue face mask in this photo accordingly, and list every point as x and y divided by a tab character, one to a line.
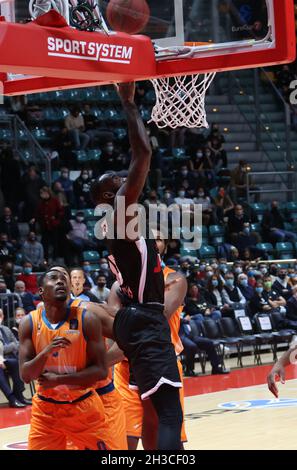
87	269
215	283
244	282
230	282
27	270
259	290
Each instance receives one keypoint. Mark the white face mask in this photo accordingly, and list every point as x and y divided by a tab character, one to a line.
1	320
181	193
18	321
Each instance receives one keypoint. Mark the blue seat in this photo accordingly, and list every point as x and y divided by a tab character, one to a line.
91	256
256	227
267	247
259	208
81	155
89	214
179	153
217	234
150	97
145	114
94	154
120	133
207	252
285	250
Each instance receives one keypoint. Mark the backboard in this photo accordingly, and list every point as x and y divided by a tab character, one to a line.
182	37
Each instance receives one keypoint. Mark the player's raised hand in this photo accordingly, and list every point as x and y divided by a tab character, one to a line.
126	92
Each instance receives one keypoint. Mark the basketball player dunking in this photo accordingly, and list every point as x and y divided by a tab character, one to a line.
141	329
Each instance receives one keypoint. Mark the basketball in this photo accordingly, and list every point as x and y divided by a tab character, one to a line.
128	16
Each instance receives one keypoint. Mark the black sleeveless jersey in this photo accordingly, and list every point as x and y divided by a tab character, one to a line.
137	267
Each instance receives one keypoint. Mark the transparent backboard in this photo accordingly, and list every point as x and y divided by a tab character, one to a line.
176	22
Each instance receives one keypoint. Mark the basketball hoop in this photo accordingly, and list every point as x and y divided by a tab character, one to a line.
180	101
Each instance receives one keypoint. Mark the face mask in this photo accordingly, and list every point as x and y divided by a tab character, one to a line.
85	177
87	269
109	149
184	172
215	283
101	284
222	193
201	194
214	266
18	321
202	267
27	270
167	195
32	239
1	320
259	290
209	273
230	282
7	218
238	270
104	266
282	276
247	230
45	197
181	193
199	154
263	270
65	175
80	219
268	285
244	282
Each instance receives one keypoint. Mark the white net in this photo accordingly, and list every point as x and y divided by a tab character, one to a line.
180	101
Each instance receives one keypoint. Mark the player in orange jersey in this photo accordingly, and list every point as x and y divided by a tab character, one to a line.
115	433
61	346
141	419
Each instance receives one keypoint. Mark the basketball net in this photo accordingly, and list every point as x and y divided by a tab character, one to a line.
180	101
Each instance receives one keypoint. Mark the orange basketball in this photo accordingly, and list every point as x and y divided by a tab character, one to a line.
128	16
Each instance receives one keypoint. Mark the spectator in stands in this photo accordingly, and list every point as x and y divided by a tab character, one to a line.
152	200
101	291
26	298
59	193
77	277
265	299
89	281
31	184
78	235
192	343
291	308
8	225
197	307
29	279
82	190
238	181
67	184
108	159
182	199
246	289
281	285
236	222
213	292
208	215
232	296
96	130
18	315
273	226
168	197
293	280
223	204
10	366
184	174
75	126
220	156
247	239
273	271
7	250
33	252
8	274
207	167
49	215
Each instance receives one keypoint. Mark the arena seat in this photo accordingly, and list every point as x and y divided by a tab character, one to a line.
267	247
232	336
265	332
285	250
211	330
217	234
94	154
91	256
207	252
248	336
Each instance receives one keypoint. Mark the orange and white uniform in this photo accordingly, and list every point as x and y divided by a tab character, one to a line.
116	437
65	413
131	399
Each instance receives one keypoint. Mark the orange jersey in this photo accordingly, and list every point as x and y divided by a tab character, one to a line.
65	361
174	321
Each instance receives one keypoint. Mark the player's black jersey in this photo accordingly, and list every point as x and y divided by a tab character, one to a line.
137	267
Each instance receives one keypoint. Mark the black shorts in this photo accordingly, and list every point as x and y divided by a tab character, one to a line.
143	334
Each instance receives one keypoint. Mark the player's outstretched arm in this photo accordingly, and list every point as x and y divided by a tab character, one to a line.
106	315
140	146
